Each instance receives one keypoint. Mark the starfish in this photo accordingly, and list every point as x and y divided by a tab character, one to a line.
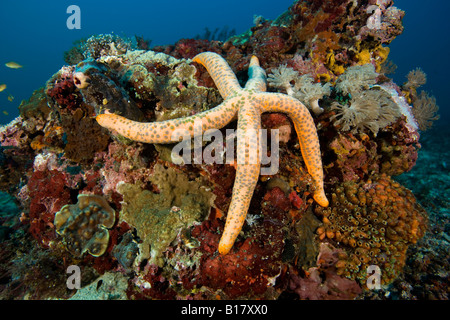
246	104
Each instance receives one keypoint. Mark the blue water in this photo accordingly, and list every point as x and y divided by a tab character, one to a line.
34	34
425	43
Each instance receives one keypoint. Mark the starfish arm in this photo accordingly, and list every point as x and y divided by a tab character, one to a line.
220	72
247	173
164	131
307	136
247	105
256	76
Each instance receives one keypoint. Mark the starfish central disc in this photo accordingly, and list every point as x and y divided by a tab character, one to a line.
247	104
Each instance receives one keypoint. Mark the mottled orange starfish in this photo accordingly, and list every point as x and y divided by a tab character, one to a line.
247	104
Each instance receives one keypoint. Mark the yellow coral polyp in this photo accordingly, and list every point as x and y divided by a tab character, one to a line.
338	69
375	227
324	77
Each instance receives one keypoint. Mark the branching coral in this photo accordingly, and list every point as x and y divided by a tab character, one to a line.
416	78
425	110
388	67
371	109
303	87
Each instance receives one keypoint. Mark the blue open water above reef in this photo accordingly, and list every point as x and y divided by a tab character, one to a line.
37	36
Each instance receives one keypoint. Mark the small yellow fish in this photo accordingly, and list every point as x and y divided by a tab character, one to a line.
5	113
10	98
13	65
2	87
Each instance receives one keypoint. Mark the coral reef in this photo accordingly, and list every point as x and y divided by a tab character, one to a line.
246	104
126	251
416	79
322	282
110	286
375	221
61	89
130	217
103	45
179	204
102	92
83	226
36	107
44	195
370	110
356	79
424	107
73	117
425	110
303	89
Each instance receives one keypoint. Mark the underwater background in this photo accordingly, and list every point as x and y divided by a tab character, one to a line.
35	36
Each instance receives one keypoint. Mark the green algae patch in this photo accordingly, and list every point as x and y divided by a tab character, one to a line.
159	217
